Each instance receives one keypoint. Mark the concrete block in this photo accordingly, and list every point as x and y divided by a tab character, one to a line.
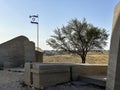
113	78
27	74
86	70
42	75
39	56
45	75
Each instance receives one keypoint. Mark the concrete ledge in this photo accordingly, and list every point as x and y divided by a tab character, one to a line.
86	70
96	80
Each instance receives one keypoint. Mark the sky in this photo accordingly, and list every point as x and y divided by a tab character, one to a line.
15	21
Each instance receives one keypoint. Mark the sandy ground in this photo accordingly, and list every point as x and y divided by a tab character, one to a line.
76	85
11	81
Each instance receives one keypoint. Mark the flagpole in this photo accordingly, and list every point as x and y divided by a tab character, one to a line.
33	17
38	33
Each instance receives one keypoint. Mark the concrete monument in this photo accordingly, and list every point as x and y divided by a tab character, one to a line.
113	79
16	52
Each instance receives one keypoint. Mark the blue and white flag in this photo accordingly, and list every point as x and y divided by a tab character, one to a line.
34	19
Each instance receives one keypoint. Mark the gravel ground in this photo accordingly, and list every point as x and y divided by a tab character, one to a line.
76	85
11	81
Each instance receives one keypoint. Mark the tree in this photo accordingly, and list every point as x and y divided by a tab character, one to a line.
78	37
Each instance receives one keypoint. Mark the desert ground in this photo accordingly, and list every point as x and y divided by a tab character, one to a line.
92	58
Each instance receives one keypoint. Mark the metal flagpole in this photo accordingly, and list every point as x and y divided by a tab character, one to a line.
38	34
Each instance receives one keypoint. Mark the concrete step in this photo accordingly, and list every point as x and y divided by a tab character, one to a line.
96	80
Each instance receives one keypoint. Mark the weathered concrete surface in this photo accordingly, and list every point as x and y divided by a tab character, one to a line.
39	56
88	70
16	52
28	74
42	75
116	15
113	79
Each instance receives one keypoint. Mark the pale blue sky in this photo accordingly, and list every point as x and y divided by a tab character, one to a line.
14	16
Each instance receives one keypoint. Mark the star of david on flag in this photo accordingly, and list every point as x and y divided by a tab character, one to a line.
34	19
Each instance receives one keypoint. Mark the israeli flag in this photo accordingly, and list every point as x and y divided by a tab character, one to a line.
34	19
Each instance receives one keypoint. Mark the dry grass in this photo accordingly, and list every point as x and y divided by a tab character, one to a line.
92	58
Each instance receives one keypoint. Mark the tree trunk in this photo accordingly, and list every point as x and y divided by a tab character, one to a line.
83	59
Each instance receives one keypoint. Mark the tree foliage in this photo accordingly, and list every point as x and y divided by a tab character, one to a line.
78	37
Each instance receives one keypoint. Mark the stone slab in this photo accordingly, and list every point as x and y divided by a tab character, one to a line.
45	75
28	74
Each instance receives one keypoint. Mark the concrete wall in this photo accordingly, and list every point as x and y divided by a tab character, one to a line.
39	56
87	70
16	52
42	75
113	77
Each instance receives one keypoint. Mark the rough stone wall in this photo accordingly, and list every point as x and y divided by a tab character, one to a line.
16	52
